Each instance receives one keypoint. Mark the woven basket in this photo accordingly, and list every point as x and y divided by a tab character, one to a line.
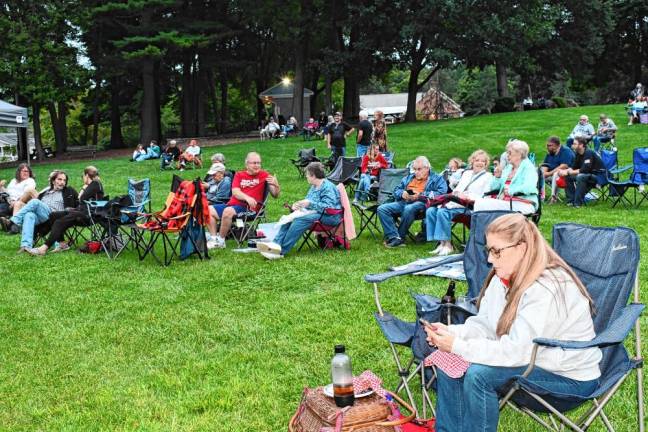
369	414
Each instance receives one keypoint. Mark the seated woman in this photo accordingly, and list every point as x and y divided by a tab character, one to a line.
517	184
321	196
454	172
473	185
636	108
139	154
92	190
35	215
529	293
218	187
153	151
372	163
21	189
191	155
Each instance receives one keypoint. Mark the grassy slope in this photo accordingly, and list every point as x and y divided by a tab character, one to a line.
90	344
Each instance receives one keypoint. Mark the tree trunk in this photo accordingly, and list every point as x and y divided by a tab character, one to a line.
62	122
298	87
95	111
412	89
37	131
212	95
223	94
116	138
199	89
186	111
351	95
149	120
58	124
502	79
328	95
261	109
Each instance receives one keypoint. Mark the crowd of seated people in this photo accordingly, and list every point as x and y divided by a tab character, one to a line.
142	153
372	163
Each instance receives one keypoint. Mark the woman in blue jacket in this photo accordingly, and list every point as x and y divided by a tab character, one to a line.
517	185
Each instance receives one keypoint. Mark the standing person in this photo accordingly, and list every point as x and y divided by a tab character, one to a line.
582	129
61	221
338	131
372	163
56	198
21	188
248	188
558	158
531	292
171	153
604	132
365	130
380	131
321	195
581	177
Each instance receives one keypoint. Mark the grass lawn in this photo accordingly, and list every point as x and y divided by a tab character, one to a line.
228	344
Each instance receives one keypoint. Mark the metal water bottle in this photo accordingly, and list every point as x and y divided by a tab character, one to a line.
342	376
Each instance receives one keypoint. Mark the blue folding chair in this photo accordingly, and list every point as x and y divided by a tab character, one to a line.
606	260
610	159
411	334
637	181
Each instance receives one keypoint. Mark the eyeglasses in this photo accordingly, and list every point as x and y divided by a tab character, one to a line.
497	252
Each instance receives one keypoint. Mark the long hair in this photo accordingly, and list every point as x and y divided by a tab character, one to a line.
20	167
91	172
55	174
538	259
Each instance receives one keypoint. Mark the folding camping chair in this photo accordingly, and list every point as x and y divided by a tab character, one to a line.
612	170
304	157
346	171
637	181
410	334
610	273
245	224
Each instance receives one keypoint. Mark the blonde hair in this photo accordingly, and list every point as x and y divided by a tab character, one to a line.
477	153
518	146
91	172
538	259
456	160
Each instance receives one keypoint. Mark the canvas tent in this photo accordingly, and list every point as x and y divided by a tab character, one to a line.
436	105
281	97
393	106
14	116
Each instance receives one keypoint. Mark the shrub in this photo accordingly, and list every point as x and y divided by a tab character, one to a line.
559	101
504	104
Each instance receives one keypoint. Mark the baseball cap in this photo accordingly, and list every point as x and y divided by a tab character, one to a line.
217	167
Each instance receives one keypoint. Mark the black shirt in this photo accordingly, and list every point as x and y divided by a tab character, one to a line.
589	163
175	151
337	131
366	128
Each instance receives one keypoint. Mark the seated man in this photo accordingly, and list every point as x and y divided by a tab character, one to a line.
247	194
171	153
583	129
582	176
191	154
218	186
604	132
409	202
558	158
310	127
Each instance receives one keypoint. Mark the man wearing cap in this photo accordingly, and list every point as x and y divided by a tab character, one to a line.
336	137
218	186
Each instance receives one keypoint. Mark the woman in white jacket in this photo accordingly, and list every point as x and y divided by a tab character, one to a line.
474	183
530	293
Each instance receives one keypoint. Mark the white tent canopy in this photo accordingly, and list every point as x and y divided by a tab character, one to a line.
13	115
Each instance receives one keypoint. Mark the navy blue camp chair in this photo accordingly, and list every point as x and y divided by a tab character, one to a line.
606	260
637	181
610	161
410	334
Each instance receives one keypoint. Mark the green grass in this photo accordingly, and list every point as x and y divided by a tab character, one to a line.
228	344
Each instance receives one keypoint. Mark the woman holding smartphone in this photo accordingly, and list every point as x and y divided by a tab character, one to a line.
529	293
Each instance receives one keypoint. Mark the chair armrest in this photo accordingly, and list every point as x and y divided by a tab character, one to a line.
332	211
614	334
619	170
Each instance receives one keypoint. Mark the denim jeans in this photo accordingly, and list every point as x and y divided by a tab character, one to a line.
438	222
166	160
578	186
363	186
34	213
598	139
338	152
290	233
387	213
471	403
361	149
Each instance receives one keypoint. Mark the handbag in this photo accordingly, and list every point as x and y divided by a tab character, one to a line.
318	413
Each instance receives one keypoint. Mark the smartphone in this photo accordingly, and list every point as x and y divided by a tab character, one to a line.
426	323
410	192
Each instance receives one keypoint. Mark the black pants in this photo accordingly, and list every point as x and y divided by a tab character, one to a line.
62	221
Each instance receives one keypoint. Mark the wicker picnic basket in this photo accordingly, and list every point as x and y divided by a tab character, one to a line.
317	412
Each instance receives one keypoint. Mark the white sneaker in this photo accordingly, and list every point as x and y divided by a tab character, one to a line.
211	244
269	247
446	251
271	256
437	250
220	241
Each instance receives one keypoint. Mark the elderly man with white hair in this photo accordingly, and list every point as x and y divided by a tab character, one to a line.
410	197
582	129
365	132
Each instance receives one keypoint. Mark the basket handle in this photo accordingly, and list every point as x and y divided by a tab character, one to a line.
404	420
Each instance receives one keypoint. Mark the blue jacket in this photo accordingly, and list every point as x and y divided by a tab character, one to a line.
327	196
523	185
435	186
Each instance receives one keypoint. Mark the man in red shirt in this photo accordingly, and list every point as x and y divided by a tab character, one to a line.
248	188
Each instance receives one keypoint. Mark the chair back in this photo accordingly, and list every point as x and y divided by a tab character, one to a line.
610	159
389	179
139	191
389	157
306	155
606	260
345	169
640	166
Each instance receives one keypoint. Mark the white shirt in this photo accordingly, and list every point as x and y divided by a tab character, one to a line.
193	150
474	189
16	190
547	309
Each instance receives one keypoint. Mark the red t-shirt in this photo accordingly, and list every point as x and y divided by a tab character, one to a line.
252	186
382	163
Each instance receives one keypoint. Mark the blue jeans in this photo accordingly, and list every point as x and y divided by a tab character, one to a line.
363	186
598	139
438	222
387	213
34	213
289	233
471	403
166	160
578	186
361	149
337	153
